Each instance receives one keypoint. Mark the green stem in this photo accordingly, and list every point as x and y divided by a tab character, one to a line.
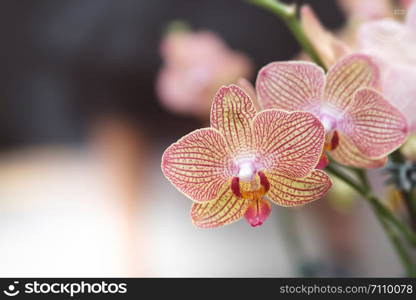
288	14
293	243
408	196
395	240
401	251
383	215
362	177
379	208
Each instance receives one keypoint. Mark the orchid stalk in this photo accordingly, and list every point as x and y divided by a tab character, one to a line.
408	197
268	87
380	209
385	218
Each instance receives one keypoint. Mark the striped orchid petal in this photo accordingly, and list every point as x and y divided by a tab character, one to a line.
225	209
290	85
347	76
197	164
373	124
248	88
231	114
290	191
289	143
348	154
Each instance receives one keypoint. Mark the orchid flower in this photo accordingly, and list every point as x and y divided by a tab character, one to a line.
233	168
196	64
361	126
393	44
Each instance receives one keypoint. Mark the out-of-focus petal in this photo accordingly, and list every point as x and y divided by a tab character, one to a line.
225	209
183	46
290	85
290	191
386	39
326	44
399	88
196	65
347	76
347	154
411	17
364	10
394	46
289	143
197	164
374	125
231	114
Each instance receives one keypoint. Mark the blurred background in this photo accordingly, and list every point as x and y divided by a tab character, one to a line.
90	97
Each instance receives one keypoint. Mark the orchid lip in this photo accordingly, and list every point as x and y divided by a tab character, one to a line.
256	223
258	211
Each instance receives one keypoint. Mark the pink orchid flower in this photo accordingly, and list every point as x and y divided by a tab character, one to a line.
405	4
361	126
366	10
196	64
394	46
244	159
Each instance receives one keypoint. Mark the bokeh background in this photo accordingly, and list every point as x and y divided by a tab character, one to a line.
81	135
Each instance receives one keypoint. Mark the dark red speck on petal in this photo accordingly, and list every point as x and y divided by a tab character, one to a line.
235	186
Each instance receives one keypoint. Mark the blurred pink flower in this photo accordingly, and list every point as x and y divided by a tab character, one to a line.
329	47
244	159
361	126
406	3
196	64
366	10
394	45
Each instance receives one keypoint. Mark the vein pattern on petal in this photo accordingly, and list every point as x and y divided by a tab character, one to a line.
289	143
197	164
348	154
225	209
347	76
290	191
290	85
231	114
374	125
